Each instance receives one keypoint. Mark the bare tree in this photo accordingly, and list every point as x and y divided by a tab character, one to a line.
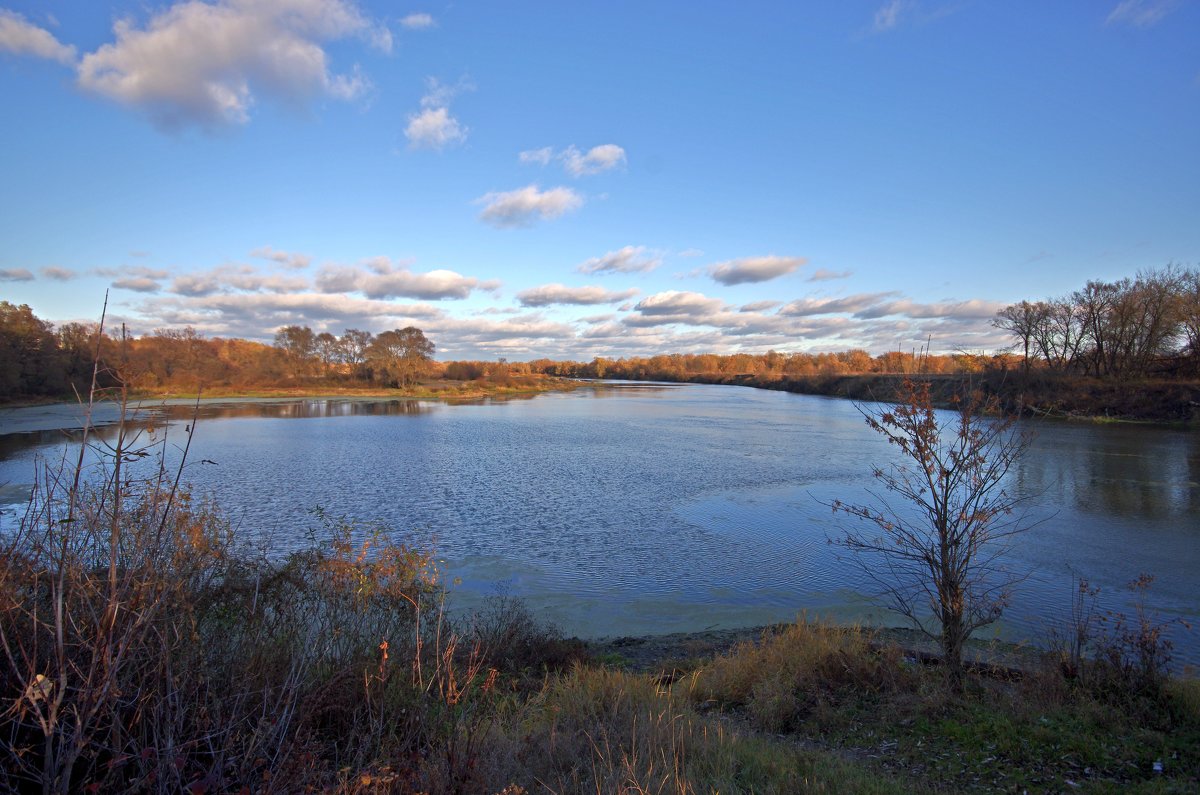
1024	321
933	540
1189	315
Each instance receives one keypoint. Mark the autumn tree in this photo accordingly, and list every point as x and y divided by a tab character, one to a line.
400	356
299	345
327	349
932	540
354	344
29	354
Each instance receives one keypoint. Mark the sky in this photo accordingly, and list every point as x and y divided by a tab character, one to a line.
572	180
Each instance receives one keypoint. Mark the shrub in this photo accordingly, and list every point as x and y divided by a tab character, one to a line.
785	676
140	649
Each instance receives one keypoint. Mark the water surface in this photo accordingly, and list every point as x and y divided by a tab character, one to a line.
627	509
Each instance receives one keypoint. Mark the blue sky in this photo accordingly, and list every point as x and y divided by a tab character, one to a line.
576	180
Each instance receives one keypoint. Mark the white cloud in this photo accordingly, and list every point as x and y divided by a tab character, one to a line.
230	278
973	309
1140	13
290	260
21	37
207	63
253	315
753	269
576	163
597	159
133	270
58	274
822	275
138	284
195	284
549	294
418	21
383	280
15	275
630	259
527	205
691	252
758	306
137	278
804	307
675	302
433	127
541	156
888	15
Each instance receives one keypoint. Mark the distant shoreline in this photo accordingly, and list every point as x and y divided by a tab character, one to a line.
1165	403
1172	403
429	390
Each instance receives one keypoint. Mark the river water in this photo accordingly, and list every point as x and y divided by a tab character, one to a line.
639	509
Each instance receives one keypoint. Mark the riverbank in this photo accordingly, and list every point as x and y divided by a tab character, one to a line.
865	706
1039	395
682	651
438	389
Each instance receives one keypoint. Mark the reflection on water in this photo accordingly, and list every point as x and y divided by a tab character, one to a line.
1117	471
656	508
305	408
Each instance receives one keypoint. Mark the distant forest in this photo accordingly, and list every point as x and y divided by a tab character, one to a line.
1146	327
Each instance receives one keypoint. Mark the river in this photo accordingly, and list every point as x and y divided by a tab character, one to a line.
640	509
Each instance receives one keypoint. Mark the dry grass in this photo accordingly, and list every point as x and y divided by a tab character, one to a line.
142	650
791	675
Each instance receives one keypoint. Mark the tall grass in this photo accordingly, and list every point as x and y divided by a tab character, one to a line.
794	674
141	649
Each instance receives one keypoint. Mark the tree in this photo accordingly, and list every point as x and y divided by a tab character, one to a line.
328	349
29	354
1025	321
1189	315
400	356
354	344
299	344
937	535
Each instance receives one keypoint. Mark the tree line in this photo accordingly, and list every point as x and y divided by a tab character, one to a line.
399	358
1130	328
38	360
771	366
